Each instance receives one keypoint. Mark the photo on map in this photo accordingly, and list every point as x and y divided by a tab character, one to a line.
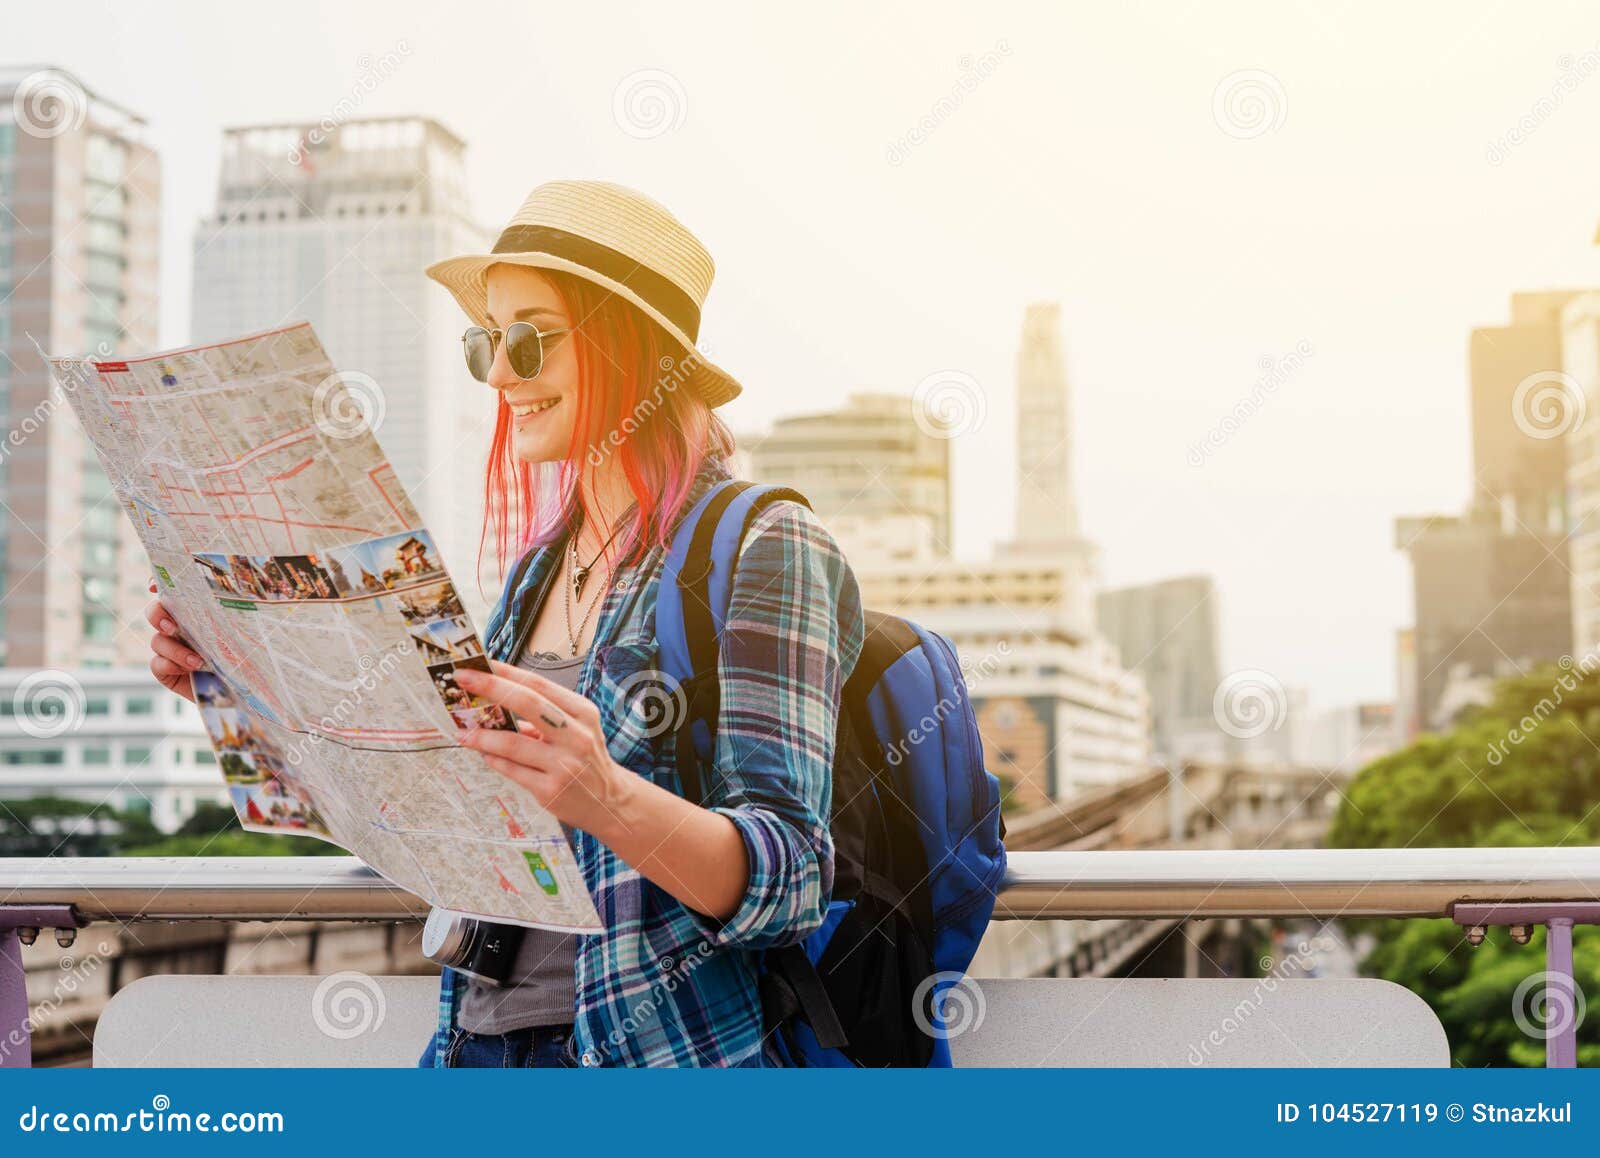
425	604
301	577
279	802
379	565
450	639
467	710
244	753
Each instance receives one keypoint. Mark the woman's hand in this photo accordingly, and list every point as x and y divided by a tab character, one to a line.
171	662
558	752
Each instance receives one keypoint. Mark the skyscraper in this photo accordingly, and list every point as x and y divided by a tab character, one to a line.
80	200
335	226
1493	592
1580	360
1168	632
1047	506
1056	709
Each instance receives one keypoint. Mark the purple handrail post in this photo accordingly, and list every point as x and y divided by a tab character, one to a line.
1561	996
16	1029
1559	990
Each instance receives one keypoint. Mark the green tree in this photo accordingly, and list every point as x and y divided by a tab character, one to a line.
38	826
60	826
1522	770
214	830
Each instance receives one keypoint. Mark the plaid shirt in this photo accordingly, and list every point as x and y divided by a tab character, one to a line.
663	985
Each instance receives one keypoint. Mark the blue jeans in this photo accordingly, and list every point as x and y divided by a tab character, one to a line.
542	1046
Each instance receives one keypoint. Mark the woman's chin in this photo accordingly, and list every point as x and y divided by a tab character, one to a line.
534	450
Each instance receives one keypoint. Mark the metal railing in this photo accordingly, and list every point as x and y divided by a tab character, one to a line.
1418	882
1517	887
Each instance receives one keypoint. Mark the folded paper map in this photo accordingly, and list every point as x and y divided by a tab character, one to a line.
295	563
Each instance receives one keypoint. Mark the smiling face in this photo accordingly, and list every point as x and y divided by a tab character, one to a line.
544	410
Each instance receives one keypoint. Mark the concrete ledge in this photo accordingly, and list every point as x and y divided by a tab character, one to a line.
344	1020
1194	1024
352	1020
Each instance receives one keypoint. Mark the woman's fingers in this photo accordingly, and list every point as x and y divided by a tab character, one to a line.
515	695
168	648
569	701
524	746
159	618
172	677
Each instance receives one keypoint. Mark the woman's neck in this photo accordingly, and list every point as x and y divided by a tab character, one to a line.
606	498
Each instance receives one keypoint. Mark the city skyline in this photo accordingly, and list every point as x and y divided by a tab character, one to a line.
1282	245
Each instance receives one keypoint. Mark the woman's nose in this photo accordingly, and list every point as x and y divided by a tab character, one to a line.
501	376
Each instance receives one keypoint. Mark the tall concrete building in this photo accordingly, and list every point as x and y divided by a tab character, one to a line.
80	201
335	227
1168	633
1580	361
1058	711
1493	592
880	480
1047	504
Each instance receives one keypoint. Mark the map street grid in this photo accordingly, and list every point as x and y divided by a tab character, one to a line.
298	567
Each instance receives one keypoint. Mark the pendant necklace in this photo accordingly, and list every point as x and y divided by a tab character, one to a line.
574	591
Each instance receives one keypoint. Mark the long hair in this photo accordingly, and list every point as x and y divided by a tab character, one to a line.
634	406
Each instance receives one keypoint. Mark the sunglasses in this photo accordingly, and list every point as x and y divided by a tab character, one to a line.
526	346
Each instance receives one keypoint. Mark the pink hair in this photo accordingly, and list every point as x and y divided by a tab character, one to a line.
634	405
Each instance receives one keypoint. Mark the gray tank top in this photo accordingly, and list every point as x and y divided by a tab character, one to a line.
541	988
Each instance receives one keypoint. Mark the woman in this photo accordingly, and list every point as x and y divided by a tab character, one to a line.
585	319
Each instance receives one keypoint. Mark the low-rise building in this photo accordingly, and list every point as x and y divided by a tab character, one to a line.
105	736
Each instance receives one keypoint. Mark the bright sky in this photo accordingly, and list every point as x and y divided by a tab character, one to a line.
1090	166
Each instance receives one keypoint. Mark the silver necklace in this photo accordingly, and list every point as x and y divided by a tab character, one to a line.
580	571
574	589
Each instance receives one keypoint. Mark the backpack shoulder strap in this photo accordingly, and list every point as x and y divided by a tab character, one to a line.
692	605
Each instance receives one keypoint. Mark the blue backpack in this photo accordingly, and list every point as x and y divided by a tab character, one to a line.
917	834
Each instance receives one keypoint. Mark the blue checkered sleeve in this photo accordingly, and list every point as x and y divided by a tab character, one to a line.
793	633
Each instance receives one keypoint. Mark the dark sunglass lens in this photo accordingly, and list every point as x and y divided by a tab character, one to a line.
524	349
480	352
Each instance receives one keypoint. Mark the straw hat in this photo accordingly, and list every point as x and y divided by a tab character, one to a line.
616	238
